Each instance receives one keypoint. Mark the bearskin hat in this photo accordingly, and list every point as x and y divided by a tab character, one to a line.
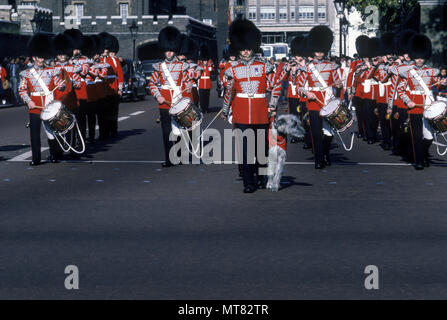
188	47
99	48
40	45
204	53
229	51
115	46
362	46
420	47
402	41
62	45
107	41
374	48
76	37
170	39
387	43
244	35
320	39
298	46
88	46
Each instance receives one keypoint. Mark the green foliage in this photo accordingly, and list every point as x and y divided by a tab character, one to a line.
389	10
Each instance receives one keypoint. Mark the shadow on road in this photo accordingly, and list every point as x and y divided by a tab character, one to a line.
288	181
13	148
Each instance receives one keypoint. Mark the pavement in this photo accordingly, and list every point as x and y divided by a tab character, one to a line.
138	231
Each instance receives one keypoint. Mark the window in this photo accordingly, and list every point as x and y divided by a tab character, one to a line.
252	13
306	13
292	12
268	13
29	3
322	12
283	13
124	11
79	12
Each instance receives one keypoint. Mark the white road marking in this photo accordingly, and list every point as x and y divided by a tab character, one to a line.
137	113
25	156
122	119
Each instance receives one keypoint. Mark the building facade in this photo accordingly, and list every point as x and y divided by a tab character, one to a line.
282	20
197	18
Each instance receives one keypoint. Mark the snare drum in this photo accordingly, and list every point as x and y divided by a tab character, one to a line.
57	118
436	114
186	114
337	114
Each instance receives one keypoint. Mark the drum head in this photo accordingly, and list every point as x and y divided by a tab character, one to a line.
330	108
180	106
51	110
435	110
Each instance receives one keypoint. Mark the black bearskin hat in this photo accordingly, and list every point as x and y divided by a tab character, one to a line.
99	48
420	47
374	48
204	53
106	40
402	41
362	46
298	46
320	39
76	37
62	45
244	35
40	45
115	46
88	46
387	43
170	39
188	47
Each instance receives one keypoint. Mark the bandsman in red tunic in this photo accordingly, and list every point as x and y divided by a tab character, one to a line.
246	96
167	81
205	83
415	90
321	76
37	87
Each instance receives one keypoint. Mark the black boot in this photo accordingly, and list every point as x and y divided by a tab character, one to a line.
327	142
55	151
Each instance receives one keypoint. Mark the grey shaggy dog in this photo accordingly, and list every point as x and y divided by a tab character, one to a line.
285	125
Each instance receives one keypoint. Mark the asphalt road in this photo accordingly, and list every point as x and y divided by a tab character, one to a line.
136	230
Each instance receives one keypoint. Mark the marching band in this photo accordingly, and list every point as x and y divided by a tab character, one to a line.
389	86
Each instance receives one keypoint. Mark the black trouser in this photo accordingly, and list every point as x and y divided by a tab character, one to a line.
294	103
370	119
417	138
82	117
306	125
358	104
114	112
249	169
385	124
166	128
91	119
35	125
204	95
101	112
321	144
400	137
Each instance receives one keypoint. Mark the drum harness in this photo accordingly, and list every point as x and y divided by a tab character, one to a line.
430	99
175	127
49	97
329	95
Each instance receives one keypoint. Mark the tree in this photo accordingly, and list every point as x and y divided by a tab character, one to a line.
391	12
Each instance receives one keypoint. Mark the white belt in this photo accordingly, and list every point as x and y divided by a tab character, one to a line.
166	87
369	82
90	82
256	95
316	89
111	77
204	77
418	92
38	94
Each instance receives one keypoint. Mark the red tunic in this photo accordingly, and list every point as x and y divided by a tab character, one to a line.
205	78
71	75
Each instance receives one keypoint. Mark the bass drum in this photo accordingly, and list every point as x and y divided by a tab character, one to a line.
186	114
57	118
337	114
436	114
